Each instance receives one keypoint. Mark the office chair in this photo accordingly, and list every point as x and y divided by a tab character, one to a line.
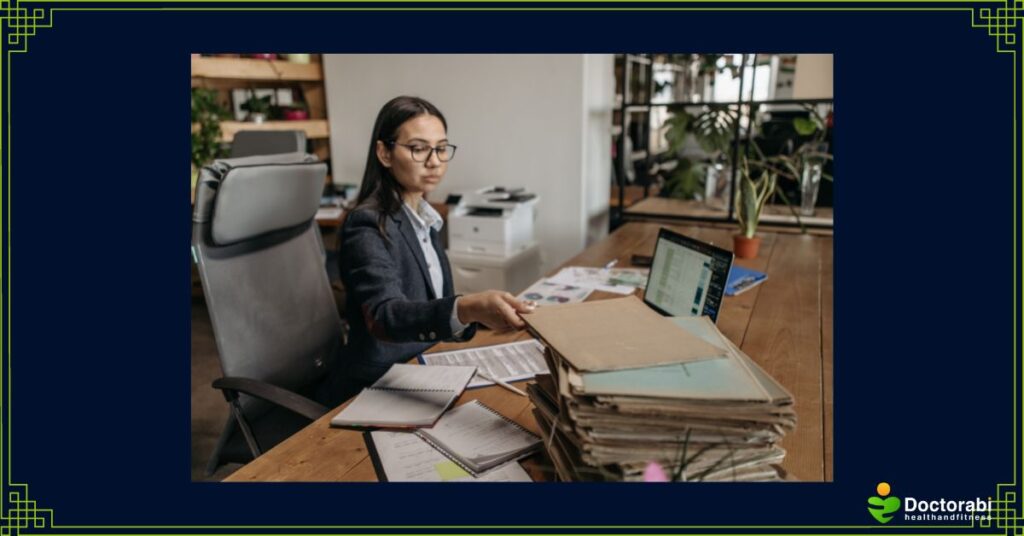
260	260
265	142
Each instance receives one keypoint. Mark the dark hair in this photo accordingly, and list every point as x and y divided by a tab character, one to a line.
380	188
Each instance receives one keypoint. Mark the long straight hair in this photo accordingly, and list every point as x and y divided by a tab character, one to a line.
380	189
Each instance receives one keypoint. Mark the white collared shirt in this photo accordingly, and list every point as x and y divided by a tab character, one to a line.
423	220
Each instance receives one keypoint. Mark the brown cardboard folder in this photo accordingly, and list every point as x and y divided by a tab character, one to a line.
616	334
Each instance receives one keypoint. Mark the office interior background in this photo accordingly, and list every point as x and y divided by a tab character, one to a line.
602	140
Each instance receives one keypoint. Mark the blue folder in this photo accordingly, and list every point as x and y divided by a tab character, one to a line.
742	279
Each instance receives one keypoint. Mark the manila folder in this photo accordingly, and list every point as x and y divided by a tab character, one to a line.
616	334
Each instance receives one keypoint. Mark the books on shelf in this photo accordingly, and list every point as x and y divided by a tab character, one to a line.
406	396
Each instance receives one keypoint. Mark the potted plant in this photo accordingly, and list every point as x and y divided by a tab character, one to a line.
207	114
804	165
750	199
295	112
812	155
258	108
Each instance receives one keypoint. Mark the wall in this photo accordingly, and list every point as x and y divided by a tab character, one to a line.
519	120
598	103
813	76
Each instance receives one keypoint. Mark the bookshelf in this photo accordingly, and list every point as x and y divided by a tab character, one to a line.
225	74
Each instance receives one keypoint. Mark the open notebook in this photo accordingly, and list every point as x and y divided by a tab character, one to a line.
478	438
401	456
407	396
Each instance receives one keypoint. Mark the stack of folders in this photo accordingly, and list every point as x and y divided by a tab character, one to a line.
628	387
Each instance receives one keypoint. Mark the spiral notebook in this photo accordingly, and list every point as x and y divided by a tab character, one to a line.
407	396
478	438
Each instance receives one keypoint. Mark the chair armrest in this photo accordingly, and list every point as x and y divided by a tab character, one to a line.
274	394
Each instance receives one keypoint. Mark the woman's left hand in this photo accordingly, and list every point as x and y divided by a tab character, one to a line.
495	309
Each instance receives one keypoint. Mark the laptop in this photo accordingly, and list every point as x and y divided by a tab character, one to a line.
687	277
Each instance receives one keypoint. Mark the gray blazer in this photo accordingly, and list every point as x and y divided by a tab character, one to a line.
392	311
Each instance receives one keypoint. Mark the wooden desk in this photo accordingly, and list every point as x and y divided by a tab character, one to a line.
785	324
632	194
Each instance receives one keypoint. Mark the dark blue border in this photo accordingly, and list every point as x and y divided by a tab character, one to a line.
98	229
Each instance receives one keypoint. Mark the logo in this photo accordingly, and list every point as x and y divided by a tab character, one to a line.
882	507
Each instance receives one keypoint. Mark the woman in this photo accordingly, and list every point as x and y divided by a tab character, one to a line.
400	299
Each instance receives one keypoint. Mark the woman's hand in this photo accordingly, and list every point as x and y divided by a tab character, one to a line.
493	308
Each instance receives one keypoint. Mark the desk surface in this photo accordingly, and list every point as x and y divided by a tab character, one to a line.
785	324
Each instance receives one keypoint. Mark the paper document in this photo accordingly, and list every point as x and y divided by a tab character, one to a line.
328	213
507	362
404	457
615	280
548	292
415	377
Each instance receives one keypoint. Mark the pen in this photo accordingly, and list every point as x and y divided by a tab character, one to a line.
490	378
610	264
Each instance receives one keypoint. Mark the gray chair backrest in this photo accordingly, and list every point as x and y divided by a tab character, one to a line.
264	142
261	262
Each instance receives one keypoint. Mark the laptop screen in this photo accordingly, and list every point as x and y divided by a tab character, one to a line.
687	276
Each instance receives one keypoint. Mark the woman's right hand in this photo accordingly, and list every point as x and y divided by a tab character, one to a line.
495	309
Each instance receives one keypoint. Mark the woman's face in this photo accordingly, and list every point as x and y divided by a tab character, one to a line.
416	136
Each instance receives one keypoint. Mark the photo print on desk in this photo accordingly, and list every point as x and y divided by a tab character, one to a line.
547	292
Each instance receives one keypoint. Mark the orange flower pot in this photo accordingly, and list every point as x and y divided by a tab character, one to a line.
745	248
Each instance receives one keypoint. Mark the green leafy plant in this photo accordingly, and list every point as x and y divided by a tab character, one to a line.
257	105
688	467
789	165
207	115
752	195
712	128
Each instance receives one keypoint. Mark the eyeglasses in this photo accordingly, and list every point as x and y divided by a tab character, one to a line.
421	153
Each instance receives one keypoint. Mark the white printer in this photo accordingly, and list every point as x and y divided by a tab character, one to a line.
493	221
490	240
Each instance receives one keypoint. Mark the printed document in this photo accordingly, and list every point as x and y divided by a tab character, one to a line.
507	362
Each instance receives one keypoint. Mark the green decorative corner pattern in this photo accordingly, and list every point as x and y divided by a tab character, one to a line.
20	23
17	511
21	513
1006	513
1003	23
